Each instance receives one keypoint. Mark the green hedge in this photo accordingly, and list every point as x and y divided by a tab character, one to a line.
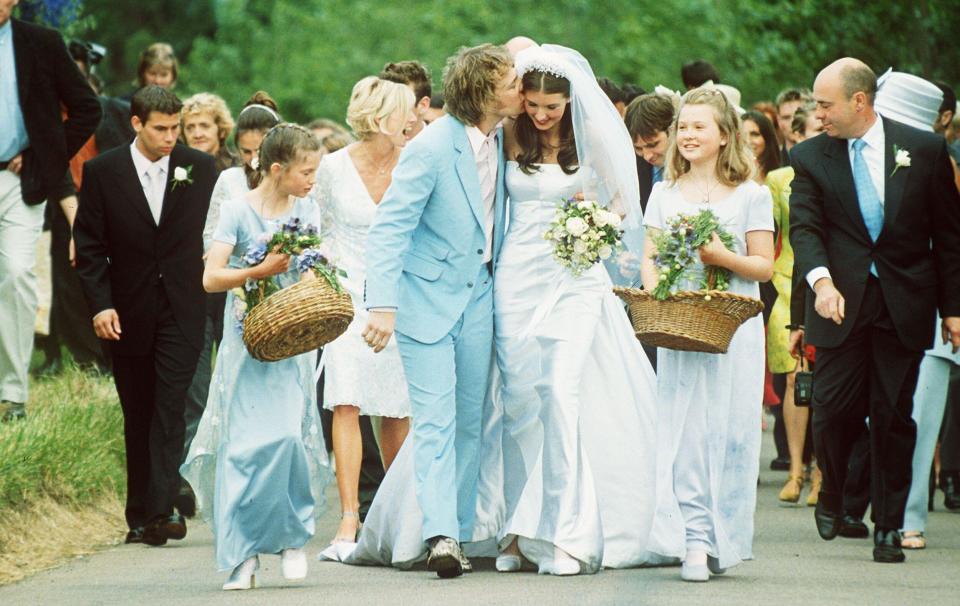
70	446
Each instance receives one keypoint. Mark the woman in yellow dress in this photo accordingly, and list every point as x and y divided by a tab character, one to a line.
779	357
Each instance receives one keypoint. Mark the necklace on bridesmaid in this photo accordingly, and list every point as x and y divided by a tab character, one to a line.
706	193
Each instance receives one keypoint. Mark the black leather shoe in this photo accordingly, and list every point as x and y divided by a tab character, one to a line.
887	546
780	464
950	484
853	527
164	528
828	524
12	411
135	535
152	536
186	501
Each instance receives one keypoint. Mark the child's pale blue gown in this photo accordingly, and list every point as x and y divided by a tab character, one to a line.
258	464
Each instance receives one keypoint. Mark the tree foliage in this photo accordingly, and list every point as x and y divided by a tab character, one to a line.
309	53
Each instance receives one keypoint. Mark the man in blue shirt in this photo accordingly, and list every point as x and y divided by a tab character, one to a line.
37	80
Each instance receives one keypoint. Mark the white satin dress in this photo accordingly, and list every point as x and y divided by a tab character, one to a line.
569	442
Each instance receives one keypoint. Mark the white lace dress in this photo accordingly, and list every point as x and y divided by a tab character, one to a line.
354	374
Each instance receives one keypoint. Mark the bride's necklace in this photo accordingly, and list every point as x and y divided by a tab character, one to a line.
706	193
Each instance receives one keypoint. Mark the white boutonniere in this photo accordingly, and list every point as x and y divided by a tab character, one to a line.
901	157
182	176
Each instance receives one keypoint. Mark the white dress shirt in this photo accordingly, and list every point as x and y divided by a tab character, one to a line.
153	179
485	151
873	154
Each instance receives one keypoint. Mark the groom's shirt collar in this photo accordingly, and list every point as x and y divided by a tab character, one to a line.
476	137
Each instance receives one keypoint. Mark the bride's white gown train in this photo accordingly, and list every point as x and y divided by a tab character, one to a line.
570	441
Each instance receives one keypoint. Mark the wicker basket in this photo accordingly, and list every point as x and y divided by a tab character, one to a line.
295	320
688	320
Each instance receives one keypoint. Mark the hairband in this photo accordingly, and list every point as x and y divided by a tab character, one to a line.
260	106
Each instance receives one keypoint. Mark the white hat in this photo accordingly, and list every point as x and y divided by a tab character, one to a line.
731	93
909	99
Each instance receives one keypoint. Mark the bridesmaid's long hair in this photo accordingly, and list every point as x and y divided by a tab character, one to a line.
284	144
531	148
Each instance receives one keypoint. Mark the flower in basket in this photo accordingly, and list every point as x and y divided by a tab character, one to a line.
299	240
583	233
678	252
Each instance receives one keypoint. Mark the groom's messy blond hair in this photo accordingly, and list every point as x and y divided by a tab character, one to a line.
470	81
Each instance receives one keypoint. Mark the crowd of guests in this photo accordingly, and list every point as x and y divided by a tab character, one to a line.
345	173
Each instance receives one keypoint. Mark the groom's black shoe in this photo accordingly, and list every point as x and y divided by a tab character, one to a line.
828	524
886	546
445	558
853	527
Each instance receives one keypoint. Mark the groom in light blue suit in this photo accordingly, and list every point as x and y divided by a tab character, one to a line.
431	254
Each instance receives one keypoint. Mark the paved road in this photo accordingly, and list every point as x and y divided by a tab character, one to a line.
792	566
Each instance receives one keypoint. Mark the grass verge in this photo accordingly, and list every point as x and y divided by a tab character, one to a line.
61	474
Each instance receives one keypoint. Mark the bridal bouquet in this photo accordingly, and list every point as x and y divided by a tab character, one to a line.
583	233
300	241
678	252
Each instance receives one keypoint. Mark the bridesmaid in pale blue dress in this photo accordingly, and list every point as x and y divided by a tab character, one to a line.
709	404
258	464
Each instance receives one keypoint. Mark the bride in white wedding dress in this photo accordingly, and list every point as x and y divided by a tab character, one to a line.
568	462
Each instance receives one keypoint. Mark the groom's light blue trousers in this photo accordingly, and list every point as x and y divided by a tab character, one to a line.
447	383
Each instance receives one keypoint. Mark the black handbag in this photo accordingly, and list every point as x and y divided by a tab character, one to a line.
803	383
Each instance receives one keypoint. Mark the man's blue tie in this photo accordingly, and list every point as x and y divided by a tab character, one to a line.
870	205
657	174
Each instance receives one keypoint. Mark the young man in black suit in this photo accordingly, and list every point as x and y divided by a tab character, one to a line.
867	202
37	80
138	236
649	119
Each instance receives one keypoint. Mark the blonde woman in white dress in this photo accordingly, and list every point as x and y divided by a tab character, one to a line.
350	184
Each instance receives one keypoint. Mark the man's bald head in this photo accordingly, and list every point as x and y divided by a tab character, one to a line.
518	43
853	75
844	92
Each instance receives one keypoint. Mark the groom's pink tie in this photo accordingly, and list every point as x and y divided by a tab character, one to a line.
487	174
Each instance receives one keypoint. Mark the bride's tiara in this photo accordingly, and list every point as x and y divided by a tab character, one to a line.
537	59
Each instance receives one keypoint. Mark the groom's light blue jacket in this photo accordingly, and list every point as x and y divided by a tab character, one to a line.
425	246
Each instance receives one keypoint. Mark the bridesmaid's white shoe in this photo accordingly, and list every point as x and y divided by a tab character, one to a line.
562	564
695	573
293	563
244	575
508	563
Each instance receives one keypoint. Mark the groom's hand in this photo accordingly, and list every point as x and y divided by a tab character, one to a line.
379	329
830	304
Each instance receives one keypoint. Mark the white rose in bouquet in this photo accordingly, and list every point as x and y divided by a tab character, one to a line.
605	252
613	219
600	218
576	226
585	205
580	247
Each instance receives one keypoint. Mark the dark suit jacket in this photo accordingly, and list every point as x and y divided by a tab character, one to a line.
645	177
46	79
921	207
123	256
